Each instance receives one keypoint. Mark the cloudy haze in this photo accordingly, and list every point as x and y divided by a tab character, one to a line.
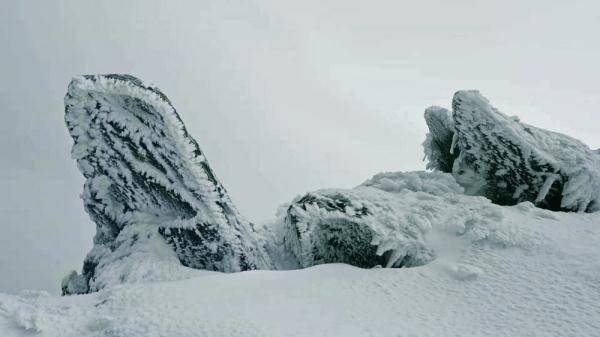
283	97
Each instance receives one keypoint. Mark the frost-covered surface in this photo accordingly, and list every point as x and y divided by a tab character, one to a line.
546	286
387	219
499	157
438	144
148	182
437	183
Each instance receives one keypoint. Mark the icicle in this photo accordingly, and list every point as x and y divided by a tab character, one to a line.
550	179
396	255
454	141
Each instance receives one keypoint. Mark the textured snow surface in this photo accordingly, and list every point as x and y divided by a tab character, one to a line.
546	286
478	268
499	157
145	175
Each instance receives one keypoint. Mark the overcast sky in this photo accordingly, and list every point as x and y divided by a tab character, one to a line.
283	97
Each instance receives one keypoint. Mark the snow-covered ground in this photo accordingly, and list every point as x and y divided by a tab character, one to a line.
549	285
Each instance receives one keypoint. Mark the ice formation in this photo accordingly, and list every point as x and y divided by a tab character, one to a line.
439	141
544	285
497	156
149	189
389	220
159	207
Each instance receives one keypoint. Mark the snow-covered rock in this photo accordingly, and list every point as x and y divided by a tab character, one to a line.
389	221
149	189
499	157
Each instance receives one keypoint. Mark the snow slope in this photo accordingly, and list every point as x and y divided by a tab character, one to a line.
547	286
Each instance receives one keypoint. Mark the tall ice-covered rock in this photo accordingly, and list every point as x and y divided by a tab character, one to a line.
507	161
155	200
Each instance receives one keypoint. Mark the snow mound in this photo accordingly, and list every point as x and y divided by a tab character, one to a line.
146	176
499	157
368	226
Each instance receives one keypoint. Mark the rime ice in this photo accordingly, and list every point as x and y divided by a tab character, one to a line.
147	183
507	161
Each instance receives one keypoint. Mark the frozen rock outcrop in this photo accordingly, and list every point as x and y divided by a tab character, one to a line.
390	221
155	200
501	158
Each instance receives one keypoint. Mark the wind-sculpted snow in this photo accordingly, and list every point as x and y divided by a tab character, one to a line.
499	157
391	224
148	182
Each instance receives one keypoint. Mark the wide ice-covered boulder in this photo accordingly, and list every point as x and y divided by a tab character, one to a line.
155	200
391	220
507	161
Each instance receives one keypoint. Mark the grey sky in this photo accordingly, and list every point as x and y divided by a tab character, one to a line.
284	97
